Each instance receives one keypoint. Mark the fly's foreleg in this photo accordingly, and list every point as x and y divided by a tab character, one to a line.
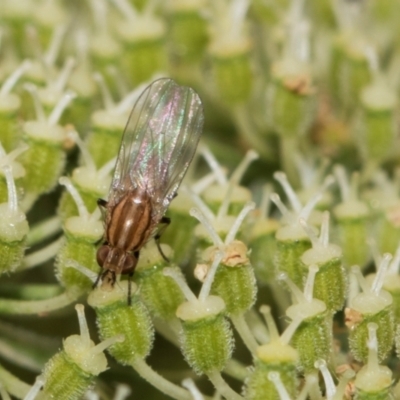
165	221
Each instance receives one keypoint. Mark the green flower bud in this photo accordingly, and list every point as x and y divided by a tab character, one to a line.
352	217
161	294
330	281
143	41
70	372
373	305
263	247
292	99
17	170
215	195
350	67
10	105
188	29
115	316
17	16
377	129
180	233
104	139
47	17
91	185
82	83
206	339
45	159
373	381
313	335
81	236
233	74
234	280
278	356
292	240
291	243
13	228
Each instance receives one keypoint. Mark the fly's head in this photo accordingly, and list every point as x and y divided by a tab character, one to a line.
116	261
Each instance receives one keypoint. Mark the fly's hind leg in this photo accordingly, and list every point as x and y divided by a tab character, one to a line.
165	221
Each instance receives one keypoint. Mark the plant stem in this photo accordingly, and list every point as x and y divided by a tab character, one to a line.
43	230
20	307
41	256
12	384
222	387
159	382
244	331
236	369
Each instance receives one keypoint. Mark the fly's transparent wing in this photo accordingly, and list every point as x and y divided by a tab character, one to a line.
159	142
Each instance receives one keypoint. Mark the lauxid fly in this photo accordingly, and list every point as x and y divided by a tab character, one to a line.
157	147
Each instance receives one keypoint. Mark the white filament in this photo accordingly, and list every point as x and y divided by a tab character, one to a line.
83	212
10	82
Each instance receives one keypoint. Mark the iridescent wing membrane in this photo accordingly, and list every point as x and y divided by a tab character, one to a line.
158	144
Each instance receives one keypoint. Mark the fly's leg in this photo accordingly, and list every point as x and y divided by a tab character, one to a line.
130	288
102	203
96	282
165	221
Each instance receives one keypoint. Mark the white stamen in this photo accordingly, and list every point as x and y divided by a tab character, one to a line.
296	292
12	191
83	212
355	269
82	269
108	101
272	328
194	212
59	84
275	378
35	389
129	100
381	273
234	180
8	159
55	45
306	211
126	9
265	201
203	183
324	236
290	193
214	165
38	106
192	388
122	392
310	232
187	292
10	82
206	287
230	237
309	286
372	344
87	157
278	202
343	182
83	327
106	168
59	108
201	205
329	384
105	343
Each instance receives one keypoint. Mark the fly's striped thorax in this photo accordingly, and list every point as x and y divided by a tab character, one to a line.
130	223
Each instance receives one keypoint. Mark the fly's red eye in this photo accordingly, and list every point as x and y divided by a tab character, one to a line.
129	262
102	254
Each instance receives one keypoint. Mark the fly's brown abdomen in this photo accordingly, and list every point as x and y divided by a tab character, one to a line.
129	224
